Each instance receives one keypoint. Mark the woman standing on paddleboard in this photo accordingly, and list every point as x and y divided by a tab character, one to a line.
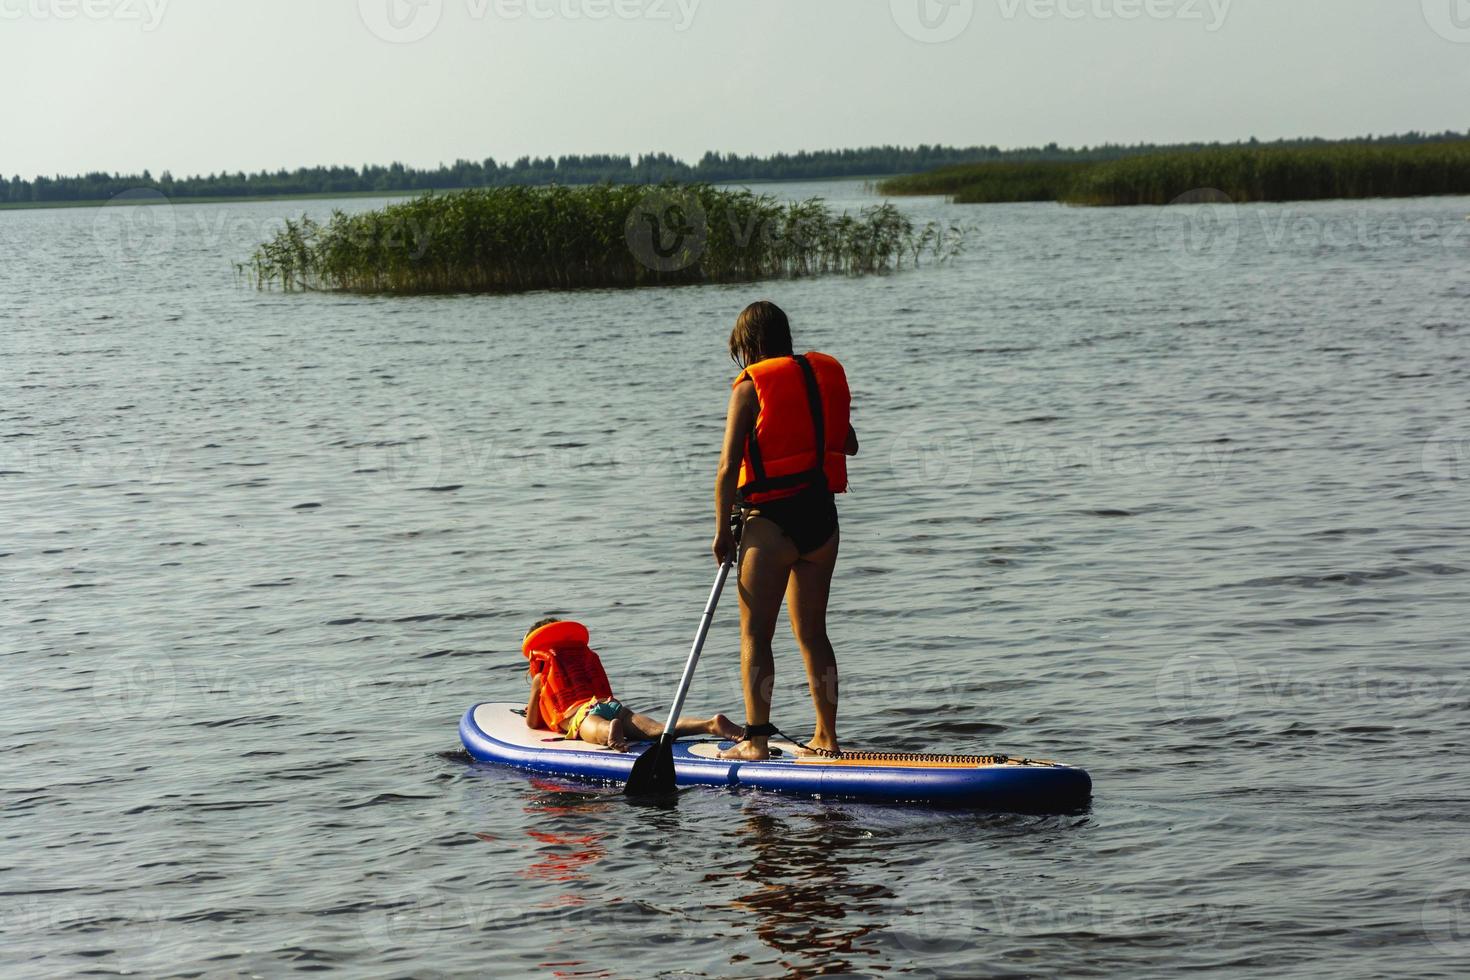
787	439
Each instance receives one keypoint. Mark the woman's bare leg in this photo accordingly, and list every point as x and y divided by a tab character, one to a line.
766	556
806	604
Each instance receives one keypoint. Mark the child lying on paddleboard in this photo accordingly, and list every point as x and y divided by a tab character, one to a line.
570	694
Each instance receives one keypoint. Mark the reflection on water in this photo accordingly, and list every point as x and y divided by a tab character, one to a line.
565	857
564	854
807	890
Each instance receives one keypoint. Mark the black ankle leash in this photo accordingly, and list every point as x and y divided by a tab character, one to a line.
766	730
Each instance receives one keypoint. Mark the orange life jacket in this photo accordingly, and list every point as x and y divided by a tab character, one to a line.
801	396
571	673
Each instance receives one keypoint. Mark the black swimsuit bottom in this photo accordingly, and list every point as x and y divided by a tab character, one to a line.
809	518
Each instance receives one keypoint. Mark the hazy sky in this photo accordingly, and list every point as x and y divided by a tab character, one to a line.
203	85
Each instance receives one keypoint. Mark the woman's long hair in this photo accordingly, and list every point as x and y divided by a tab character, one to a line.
761	331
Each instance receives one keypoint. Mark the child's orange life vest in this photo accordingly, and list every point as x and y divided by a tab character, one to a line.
571	673
800	428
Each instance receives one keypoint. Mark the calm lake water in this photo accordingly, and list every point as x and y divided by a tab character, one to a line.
1178	495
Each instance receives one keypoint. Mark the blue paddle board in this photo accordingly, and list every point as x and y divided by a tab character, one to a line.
497	732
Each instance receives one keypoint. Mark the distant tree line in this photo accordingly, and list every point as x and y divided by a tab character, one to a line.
713	167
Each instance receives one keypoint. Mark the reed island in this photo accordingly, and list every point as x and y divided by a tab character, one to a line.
1243	173
511	239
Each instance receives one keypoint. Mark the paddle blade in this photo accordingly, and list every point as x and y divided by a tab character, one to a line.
653	771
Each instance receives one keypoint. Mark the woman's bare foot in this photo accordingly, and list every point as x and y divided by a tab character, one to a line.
820	751
747	752
617	738
725	728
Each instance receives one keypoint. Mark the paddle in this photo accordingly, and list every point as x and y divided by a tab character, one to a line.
653	771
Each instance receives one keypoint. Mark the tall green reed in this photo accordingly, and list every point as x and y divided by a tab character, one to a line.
509	239
1242	173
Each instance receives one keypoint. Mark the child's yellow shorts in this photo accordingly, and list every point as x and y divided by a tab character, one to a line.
592	707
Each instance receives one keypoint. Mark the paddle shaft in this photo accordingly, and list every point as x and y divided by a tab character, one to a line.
693	661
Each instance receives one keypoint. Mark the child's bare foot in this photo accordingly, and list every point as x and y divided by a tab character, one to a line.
725	728
747	752
617	738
